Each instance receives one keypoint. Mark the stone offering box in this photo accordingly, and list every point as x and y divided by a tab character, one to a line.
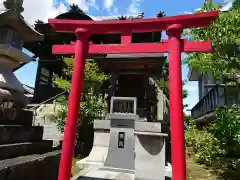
125	147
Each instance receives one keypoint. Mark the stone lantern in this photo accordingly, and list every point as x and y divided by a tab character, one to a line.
14	30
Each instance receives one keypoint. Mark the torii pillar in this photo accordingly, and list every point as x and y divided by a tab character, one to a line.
69	139
176	104
174	46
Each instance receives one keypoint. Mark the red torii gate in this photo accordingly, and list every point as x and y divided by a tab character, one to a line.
174	26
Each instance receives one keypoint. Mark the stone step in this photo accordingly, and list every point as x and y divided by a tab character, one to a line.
17	134
50	127
23	117
31	167
52	136
42	121
26	148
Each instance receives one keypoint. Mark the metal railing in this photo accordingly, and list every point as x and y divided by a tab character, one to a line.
39	106
214	98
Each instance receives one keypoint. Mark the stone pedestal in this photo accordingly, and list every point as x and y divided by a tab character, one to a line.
149	151
99	151
136	148
121	146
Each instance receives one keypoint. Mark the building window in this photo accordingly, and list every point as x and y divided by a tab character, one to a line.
45	72
45	76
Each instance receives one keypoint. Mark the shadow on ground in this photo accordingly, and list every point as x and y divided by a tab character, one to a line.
225	170
196	171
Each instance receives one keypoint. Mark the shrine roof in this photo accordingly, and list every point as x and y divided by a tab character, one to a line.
139	55
73	16
139	15
132	62
46	28
39	48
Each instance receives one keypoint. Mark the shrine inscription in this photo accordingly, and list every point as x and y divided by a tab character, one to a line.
121	139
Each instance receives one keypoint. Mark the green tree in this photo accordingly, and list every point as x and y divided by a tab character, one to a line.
160	14
226	129
75	9
236	4
224	34
39	21
92	105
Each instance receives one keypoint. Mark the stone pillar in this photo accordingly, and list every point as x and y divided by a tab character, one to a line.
146	97
112	89
160	106
114	79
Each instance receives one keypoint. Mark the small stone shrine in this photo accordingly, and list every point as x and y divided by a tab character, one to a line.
126	147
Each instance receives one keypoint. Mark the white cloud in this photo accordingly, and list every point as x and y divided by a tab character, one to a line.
45	9
229	1
110	7
227	6
134	7
187	12
108	4
42	10
84	4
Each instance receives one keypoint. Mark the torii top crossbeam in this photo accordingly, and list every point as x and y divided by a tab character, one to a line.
144	25
174	46
126	27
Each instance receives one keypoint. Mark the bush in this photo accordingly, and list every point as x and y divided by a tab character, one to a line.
221	139
202	145
226	129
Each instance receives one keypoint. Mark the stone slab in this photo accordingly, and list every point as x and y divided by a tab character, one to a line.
147	126
83	172
108	174
26	148
102	124
31	167
17	134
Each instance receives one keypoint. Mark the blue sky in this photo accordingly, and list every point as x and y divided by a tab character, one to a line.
96	8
